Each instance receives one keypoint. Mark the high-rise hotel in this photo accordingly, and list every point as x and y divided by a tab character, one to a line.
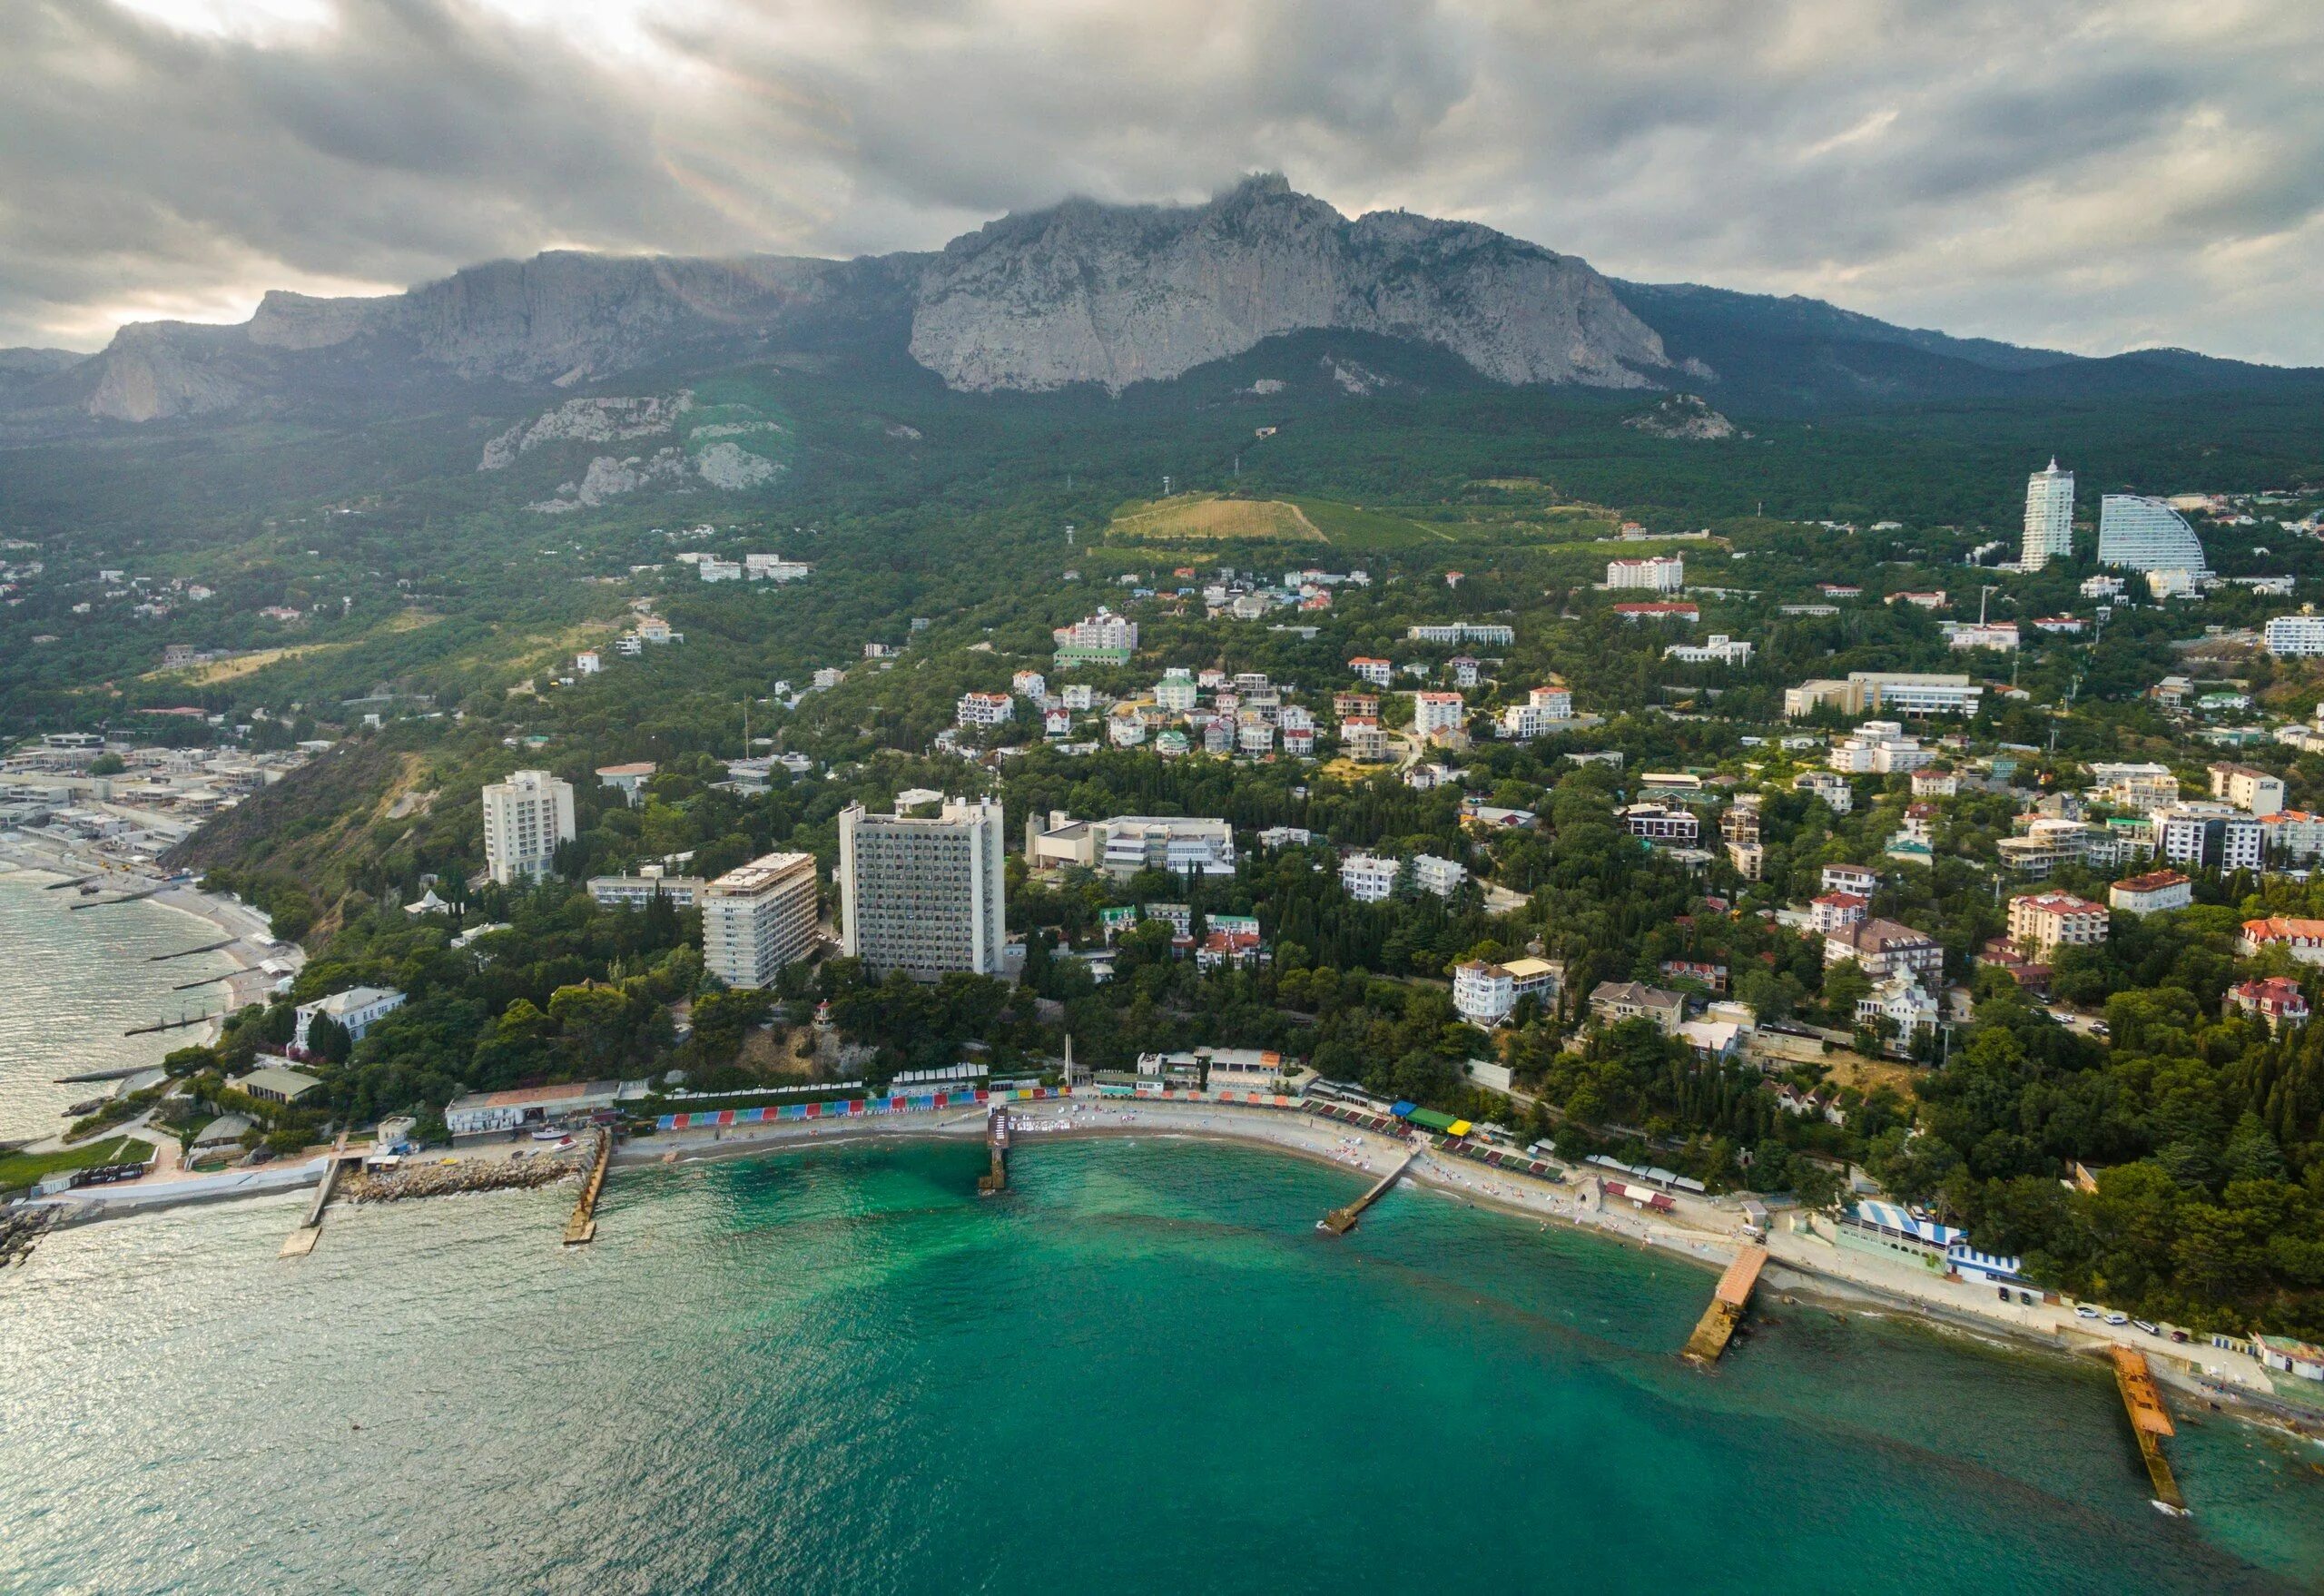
525	818
759	918
922	892
2049	517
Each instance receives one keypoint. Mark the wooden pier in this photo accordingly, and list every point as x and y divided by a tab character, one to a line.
2149	1423
996	1135
582	1226
1728	1305
302	1241
1339	1221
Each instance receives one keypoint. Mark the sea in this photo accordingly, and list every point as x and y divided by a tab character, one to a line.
836	1369
72	982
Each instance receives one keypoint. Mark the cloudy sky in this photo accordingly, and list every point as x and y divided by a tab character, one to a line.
2089	174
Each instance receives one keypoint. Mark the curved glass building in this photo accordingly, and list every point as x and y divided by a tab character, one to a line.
2146	535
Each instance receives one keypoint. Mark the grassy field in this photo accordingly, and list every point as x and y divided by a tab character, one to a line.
1190	518
25	1169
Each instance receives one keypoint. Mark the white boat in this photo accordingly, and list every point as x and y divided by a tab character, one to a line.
554	1134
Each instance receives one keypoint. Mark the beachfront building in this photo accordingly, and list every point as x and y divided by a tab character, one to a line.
2149	893
2040	923
525	819
356	1010
276	1083
635	891
498	1113
921	892
1486	994
1660	572
758	918
2049	517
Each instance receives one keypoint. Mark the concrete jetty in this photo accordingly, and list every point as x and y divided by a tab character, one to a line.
582	1226
1728	1301
124	898
1339	1221
190	952
2149	1423
996	1135
302	1241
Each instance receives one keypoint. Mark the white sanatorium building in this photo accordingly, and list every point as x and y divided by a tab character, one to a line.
2049	516
2146	535
525	818
759	918
923	894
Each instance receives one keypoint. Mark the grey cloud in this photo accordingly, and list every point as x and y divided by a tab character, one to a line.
2088	172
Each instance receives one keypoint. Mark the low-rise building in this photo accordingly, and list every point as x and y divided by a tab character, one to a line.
1440	876
1127	844
1832	911
2139	788
1719	649
489	1113
276	1083
1883	947
2296	637
1379	673
1832	790
1907	692
356	1010
635	891
2277	1000
1681	614
2302	939
2149	893
1904	1003
1859	879
628	780
2042	923
1613	1001
1657	823
1545	710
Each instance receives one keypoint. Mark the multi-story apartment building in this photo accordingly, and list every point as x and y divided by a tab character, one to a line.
1883	947
1368	878
635	891
923	894
1364	740
1486	993
525	818
1437	712
2139	788
2146	535
1440	876
1910	693
759	918
1833	790
1104	639
2209	834
1545	710
2249	788
1657	824
1878	748
984	709
2040	923
1460	631
1662	573
2049	517
2295	636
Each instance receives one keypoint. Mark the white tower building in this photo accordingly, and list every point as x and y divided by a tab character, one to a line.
923	894
525	818
2049	516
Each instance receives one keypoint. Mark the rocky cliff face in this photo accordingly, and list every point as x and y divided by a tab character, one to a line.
1081	293
1117	295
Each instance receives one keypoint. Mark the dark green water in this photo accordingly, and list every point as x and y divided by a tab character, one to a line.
1141	1372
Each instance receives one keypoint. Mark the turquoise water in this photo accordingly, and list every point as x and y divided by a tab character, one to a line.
1142	1371
70	983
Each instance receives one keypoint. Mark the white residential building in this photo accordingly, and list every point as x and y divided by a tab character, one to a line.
1440	876
1104	639
2209	834
1544	711
1662	573
525	818
984	709
2139	788
759	918
1997	635
1364	740
1912	692
2296	637
1832	790
1487	993
1368	878
1127	844
1031	687
1719	649
1437	712
357	1009
1878	748
923	894
2040	923
1176	694
1379	673
2146	535
2049	517
2249	788
2151	893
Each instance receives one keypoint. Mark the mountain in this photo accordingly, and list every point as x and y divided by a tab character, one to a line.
1080	293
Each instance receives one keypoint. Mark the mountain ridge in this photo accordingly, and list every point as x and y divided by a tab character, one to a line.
1080	293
